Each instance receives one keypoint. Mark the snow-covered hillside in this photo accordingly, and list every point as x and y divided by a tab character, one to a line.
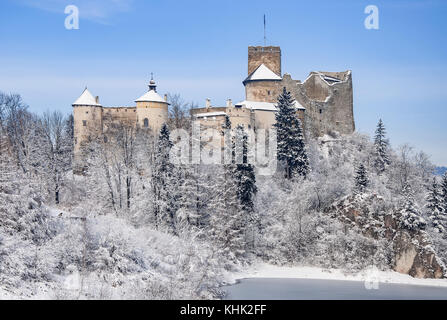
132	224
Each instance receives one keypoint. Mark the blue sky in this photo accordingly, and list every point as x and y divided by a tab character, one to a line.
199	50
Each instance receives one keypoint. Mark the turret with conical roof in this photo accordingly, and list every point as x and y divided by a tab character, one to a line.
87	99
152	109
87	114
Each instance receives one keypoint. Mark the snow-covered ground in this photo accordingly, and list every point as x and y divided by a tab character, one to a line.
263	270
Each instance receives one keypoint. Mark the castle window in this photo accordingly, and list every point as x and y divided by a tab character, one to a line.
146	122
268	92
105	139
84	123
321	111
86	112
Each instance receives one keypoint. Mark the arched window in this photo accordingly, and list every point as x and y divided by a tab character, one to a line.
146	122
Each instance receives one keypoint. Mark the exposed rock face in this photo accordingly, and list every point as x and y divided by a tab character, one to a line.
413	250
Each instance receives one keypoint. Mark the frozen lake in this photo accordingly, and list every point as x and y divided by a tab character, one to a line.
314	289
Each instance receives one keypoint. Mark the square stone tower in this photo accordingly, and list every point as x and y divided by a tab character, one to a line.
269	56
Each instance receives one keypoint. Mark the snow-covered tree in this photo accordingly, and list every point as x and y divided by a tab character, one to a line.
244	173
164	184
55	147
179	112
434	206
227	123
232	204
227	219
246	184
291	149
192	196
443	193
361	179
381	146
410	216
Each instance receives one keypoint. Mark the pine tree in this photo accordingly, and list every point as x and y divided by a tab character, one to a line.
244	173
291	148
228	143
434	206
164	184
443	194
227	123
361	179
410	216
381	146
191	196
246	186
227	220
232	206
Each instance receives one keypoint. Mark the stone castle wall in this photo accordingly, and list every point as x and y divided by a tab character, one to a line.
329	107
264	91
87	124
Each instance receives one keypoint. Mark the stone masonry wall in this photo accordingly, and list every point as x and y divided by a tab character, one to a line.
270	56
329	107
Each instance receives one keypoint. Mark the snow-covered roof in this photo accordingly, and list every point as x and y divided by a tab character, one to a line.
86	99
256	105
266	106
210	114
298	105
150	96
263	73
330	79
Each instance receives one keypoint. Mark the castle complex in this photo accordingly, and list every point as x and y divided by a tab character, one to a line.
91	119
324	103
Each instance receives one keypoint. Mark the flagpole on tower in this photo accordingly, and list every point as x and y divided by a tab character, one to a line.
265	38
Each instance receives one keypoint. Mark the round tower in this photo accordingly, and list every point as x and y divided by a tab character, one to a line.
87	116
152	109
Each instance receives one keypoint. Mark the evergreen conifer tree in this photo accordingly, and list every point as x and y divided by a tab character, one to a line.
245	173
434	206
381	146
164	184
361	179
291	149
227	220
410	216
443	194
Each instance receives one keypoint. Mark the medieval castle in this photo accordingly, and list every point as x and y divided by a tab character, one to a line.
324	103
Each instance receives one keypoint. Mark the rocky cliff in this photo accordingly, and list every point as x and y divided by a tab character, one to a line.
413	249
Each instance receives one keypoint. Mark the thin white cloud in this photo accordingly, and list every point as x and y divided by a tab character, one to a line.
100	11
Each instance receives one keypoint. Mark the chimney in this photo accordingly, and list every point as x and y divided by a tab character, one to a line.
208	103
97	99
229	103
166	98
